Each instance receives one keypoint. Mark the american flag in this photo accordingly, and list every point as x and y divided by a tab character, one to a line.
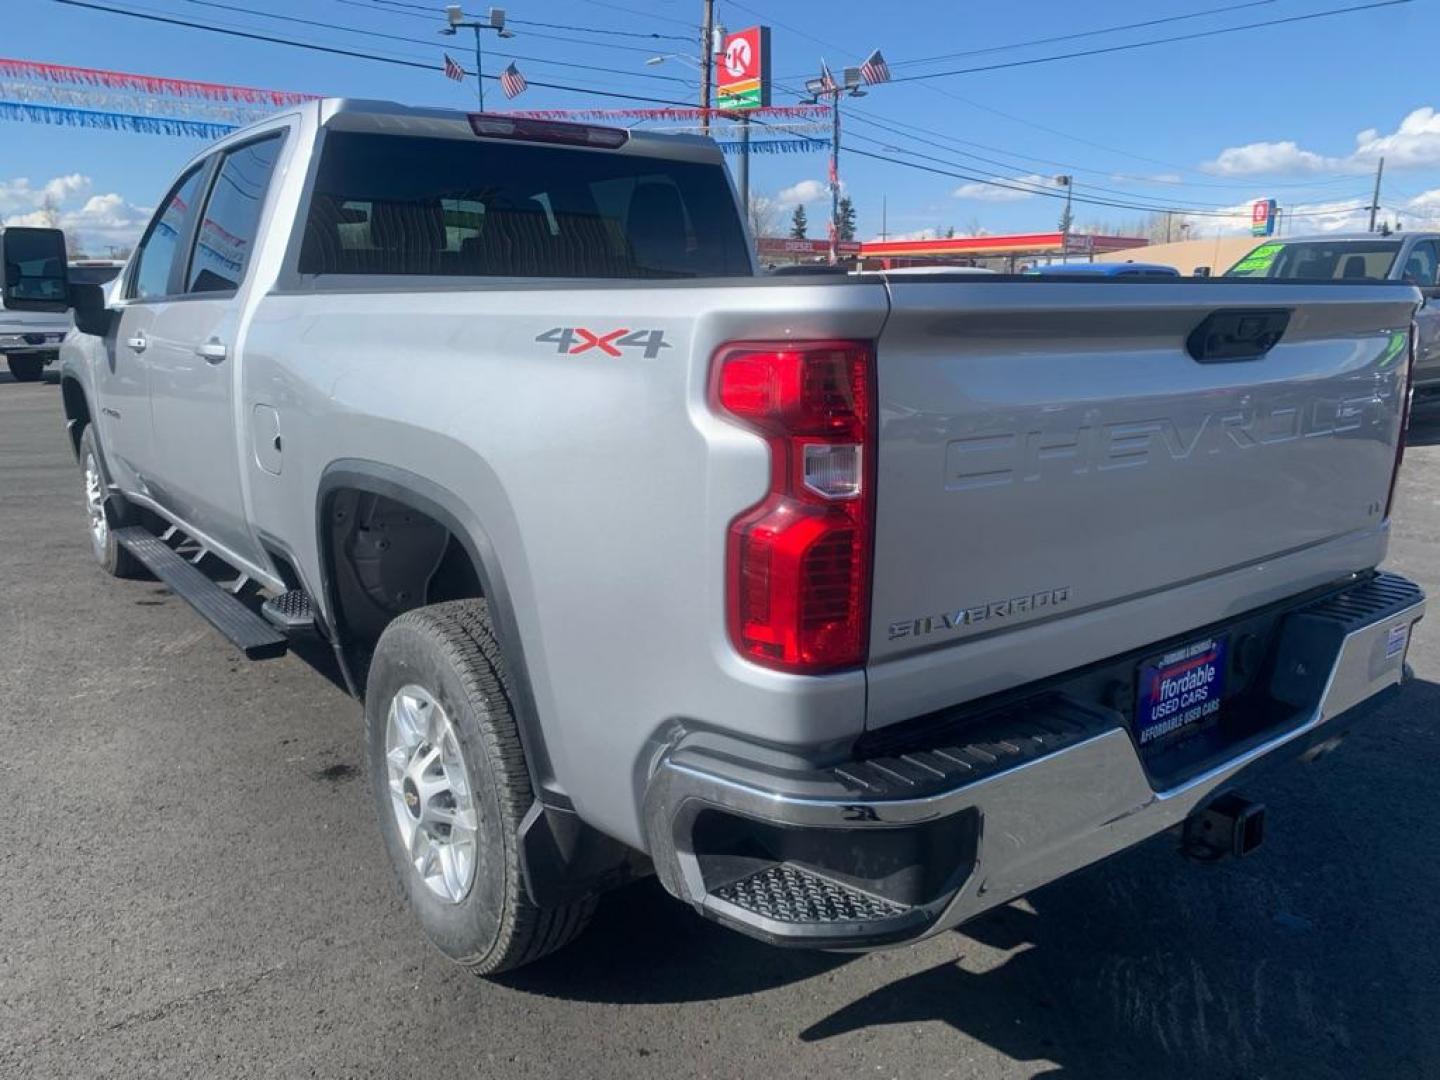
512	82
453	70
827	81
874	69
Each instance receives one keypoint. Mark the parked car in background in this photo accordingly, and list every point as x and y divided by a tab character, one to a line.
1109	270
30	340
852	605
1412	258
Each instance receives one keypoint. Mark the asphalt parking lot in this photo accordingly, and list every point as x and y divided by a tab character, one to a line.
192	885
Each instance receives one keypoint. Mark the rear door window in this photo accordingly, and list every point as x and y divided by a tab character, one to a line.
156	259
226	235
392	204
1421	265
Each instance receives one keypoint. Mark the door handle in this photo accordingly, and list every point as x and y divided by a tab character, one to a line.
212	352
137	343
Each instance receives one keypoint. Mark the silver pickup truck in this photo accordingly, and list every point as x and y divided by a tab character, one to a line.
851	606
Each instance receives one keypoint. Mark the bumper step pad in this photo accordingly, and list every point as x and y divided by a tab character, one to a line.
248	632
788	894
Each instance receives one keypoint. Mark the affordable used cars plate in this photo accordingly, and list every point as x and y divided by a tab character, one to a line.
1180	689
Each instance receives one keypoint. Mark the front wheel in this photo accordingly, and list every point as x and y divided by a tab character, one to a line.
26	368
451	788
115	559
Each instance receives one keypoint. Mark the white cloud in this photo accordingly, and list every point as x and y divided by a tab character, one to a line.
96	222
1335	215
1010	193
806	191
1415	143
1270	158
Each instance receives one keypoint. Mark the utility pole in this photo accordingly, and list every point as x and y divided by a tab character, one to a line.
1375	200
835	177
707	58
1067	182
827	88
745	163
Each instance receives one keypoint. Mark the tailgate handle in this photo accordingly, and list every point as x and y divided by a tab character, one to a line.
1227	337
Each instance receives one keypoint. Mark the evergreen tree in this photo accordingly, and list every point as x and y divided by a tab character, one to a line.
798	224
847	218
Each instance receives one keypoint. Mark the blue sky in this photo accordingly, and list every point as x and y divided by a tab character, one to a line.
1297	111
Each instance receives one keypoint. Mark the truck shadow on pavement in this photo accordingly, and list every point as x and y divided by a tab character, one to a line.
1315	957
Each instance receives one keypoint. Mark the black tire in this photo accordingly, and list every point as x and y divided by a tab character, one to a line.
450	651
114	559
26	368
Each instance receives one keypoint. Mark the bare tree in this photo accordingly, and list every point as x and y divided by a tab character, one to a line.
49	213
764	215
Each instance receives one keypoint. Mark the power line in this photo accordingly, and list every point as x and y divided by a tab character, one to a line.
430	14
1075	36
1007	165
1081	34
944	91
1109	49
643	14
1027	189
433	19
354	53
397	37
866	117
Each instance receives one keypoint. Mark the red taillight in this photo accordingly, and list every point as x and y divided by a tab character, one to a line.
1407	400
798	561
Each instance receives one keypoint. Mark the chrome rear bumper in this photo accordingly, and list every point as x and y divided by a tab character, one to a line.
893	848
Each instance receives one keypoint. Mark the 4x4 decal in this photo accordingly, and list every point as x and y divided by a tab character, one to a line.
577	339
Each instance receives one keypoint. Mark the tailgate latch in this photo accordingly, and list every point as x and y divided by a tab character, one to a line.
1231	336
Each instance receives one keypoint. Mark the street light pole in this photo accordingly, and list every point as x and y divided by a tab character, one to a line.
827	88
495	20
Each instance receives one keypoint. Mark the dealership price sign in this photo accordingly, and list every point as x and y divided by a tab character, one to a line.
742	70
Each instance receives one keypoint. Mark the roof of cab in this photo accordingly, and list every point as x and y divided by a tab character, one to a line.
391	117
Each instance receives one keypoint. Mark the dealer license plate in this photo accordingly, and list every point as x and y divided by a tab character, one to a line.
1180	690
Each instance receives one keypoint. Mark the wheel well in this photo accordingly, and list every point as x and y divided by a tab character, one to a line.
383	558
77	411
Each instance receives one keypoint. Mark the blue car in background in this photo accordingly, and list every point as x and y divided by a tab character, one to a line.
1125	269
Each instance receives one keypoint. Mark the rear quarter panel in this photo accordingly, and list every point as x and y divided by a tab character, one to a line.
603	484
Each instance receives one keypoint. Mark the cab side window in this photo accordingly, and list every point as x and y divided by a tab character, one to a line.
158	251
1422	264
226	234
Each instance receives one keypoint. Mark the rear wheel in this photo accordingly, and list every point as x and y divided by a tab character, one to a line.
115	559
26	368
451	787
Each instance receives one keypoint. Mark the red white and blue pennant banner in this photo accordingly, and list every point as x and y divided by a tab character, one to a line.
779	112
148	84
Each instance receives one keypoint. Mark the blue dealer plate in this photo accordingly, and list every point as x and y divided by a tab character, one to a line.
1180	690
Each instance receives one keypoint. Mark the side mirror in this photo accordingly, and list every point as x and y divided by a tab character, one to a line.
36	275
1201	271
91	314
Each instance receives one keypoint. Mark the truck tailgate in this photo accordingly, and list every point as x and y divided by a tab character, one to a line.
1050	450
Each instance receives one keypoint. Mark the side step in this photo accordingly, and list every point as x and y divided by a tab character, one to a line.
247	631
289	612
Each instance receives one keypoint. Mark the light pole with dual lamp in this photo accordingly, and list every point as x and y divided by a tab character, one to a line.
494	20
